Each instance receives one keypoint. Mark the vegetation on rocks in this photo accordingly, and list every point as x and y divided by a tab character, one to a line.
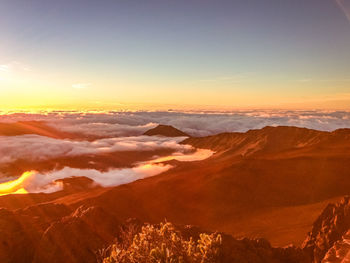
163	244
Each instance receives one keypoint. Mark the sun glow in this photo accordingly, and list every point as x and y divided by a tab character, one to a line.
15	186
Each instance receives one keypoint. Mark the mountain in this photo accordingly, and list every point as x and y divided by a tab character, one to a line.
269	183
166	130
281	176
271	140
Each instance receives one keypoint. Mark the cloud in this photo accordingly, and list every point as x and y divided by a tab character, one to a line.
113	127
34	182
39	148
35	147
344	5
114	124
103	129
198	155
323	80
81	85
236	78
4	68
14	66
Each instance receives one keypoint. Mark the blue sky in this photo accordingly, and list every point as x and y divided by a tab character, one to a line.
238	53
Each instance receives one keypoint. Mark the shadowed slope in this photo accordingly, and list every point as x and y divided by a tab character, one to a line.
166	130
33	127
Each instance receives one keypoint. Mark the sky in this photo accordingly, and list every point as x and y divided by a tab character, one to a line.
159	54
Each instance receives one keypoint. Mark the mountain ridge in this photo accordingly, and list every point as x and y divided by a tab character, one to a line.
269	183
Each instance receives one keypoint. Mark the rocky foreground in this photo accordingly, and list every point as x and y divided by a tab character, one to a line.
55	233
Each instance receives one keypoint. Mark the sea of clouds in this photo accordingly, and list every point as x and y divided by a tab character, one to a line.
38	182
123	131
116	124
47	182
39	148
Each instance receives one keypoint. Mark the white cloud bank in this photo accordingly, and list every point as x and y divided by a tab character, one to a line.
112	127
114	124
35	182
101	129
38	148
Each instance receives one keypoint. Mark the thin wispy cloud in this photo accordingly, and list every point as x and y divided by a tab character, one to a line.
345	7
304	80
39	148
322	80
13	71
14	66
81	85
4	68
231	79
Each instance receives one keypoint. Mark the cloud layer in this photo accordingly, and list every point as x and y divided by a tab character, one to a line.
122	131
34	182
115	124
102	129
39	148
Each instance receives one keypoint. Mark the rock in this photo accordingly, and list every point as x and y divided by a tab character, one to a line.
77	237
329	228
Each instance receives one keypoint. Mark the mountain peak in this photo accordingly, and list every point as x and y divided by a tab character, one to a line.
166	130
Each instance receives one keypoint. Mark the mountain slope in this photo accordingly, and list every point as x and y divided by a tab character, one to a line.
270	183
287	167
269	139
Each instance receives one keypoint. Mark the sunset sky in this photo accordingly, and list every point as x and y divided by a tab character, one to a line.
182	53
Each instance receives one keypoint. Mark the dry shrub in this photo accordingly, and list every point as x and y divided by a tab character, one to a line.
163	244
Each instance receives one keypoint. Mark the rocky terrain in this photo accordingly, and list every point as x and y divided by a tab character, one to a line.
58	233
329	233
268	184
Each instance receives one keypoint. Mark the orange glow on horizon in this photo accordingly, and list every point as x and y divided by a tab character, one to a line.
15	186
